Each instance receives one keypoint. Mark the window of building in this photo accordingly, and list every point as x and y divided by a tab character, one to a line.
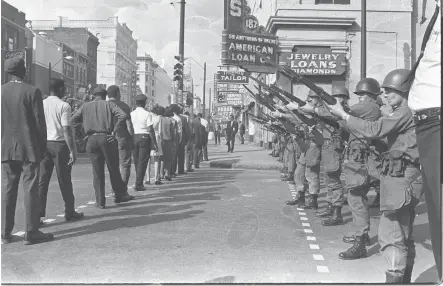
153	82
76	73
146	90
340	2
153	72
153	93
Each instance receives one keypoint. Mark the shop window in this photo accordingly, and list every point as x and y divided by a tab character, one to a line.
339	2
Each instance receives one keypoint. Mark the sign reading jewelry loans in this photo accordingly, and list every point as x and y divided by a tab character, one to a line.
243	37
233	77
315	61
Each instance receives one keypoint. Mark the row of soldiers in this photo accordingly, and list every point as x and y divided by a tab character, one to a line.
365	148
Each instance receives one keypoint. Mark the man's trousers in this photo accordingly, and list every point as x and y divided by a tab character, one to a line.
189	155
142	153
58	156
179	160
101	151
428	140
11	172
125	154
309	174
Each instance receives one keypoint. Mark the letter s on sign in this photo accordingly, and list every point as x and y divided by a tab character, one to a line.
235	7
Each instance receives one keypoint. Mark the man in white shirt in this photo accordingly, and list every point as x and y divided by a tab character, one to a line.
144	136
61	151
425	103
205	124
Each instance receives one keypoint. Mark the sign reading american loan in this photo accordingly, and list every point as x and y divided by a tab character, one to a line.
234	77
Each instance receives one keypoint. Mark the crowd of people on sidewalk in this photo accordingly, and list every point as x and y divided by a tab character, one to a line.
38	135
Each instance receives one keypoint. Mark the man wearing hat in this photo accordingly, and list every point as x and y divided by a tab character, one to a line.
97	118
144	138
23	147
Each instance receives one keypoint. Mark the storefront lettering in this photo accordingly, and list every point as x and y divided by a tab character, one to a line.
317	63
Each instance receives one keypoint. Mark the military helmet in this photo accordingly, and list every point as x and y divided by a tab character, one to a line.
368	85
396	80
340	91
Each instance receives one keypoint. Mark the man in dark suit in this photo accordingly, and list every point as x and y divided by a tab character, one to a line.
185	133
231	130
23	147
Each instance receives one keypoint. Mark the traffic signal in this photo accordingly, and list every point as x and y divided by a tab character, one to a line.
189	100
178	72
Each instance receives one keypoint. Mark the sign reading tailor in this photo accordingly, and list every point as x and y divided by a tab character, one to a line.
235	77
317	62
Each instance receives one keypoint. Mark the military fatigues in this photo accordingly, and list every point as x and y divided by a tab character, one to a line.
357	183
401	187
332	160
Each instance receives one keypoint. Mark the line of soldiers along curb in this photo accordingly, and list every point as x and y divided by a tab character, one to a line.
351	151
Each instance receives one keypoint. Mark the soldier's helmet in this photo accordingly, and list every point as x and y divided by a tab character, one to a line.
340	91
368	85
396	80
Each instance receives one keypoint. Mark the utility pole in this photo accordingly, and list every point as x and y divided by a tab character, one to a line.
210	106
204	89
181	47
363	40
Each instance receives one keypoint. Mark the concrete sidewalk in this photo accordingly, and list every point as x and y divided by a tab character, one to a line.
245	156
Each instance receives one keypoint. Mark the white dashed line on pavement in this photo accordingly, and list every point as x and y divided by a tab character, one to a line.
306	224
300	209
61	215
318	257
303	218
301	213
322	269
311	238
49	220
81	207
19	233
314	246
307	230
91	203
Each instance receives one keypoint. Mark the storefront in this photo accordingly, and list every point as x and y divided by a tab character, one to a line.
323	41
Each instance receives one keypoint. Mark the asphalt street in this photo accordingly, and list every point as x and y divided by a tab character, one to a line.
209	226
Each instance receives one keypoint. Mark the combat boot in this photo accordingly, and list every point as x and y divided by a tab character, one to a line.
393	278
326	213
352	239
310	202
357	251
335	219
297	200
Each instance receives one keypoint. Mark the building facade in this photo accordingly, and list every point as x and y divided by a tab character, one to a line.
116	56
85	45
14	42
322	40
47	61
154	81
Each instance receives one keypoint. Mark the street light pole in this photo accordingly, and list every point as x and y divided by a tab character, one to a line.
204	89
181	47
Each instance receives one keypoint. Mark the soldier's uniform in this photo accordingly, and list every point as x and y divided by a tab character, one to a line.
401	185
332	160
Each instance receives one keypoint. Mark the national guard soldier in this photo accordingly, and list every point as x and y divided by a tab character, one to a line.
332	160
400	175
308	167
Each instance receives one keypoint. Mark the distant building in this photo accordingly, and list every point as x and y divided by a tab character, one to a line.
85	45
154	81
13	37
116	57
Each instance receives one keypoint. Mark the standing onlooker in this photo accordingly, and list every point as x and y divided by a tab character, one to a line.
124	134
176	110
217	132
231	130
143	136
198	139
242	131
205	132
190	146
167	130
157	112
184	139
61	152
425	103
23	147
97	118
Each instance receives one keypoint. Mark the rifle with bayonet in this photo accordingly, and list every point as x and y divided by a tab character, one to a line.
324	96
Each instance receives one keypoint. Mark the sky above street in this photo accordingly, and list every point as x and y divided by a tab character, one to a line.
155	24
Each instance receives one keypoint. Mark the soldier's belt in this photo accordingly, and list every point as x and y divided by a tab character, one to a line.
426	114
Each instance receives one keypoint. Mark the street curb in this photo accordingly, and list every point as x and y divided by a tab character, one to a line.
226	164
